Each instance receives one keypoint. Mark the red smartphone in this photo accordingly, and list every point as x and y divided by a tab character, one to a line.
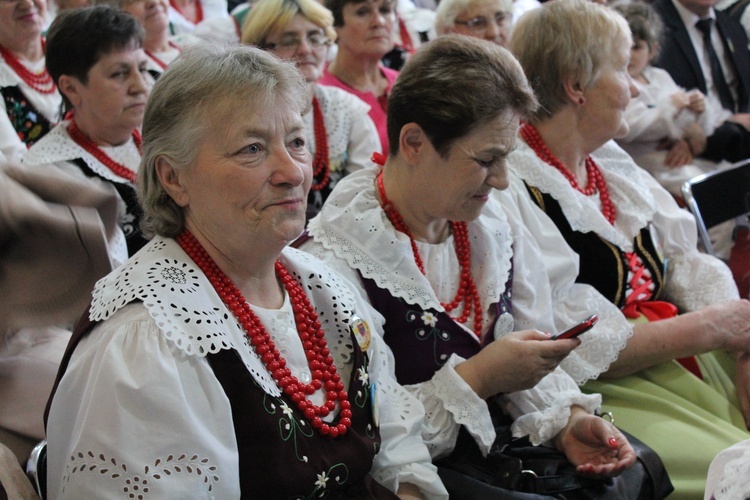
578	329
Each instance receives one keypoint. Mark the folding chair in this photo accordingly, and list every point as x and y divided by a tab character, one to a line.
717	197
36	468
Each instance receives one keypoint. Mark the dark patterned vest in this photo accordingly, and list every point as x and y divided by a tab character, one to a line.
130	221
28	122
422	341
280	455
602	264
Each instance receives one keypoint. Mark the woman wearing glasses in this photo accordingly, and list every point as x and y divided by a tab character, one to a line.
488	19
340	134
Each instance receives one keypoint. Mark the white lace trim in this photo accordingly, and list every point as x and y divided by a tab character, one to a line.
463	404
354	227
635	204
185	307
340	109
57	146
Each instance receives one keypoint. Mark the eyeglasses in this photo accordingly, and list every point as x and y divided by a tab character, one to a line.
291	45
480	23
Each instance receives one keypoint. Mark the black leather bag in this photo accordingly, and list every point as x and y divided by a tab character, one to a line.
514	469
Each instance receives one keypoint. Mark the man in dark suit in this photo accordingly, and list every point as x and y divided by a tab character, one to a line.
705	49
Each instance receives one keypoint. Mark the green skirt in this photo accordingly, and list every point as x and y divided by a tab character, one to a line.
686	420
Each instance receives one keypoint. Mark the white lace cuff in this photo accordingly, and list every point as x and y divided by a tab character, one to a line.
449	402
696	280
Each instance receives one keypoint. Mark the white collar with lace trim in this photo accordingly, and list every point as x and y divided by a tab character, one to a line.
187	310
634	203
57	146
353	225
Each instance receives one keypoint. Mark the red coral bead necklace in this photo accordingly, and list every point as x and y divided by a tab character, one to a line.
41	82
321	162
596	180
467	290
118	168
321	364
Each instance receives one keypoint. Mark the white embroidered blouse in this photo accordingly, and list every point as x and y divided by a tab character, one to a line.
139	404
693	279
353	235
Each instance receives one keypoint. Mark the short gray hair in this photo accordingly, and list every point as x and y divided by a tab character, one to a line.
205	77
448	10
565	39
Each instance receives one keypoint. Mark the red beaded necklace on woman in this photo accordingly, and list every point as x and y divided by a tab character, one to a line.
596	181
321	163
467	290
320	362
119	169
41	82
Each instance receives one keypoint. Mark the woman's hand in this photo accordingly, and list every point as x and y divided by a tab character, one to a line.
678	155
697	101
514	362
680	100
729	323
596	447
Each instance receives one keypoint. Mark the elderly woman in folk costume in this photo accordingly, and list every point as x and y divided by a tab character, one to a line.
572	183
427	245
245	367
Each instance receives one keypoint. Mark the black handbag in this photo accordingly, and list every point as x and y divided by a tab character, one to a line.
514	469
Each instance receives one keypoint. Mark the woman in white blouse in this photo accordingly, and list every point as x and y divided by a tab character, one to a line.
341	136
670	378
224	363
433	253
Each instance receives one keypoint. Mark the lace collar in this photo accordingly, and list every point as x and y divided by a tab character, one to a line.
635	204
189	313
353	225
57	146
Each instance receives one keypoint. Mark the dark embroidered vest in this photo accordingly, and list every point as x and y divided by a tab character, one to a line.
422	341
28	122
130	221
602	264
280	455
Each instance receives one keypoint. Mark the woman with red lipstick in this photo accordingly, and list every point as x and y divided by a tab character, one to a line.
95	57
656	370
218	362
30	104
365	33
436	256
341	137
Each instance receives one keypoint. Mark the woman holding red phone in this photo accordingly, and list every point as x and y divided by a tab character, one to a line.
434	254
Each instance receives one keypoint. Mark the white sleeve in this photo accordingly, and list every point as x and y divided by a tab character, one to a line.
546	296
651	115
363	139
694	279
403	456
131	412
